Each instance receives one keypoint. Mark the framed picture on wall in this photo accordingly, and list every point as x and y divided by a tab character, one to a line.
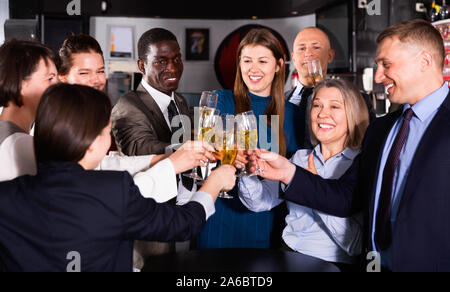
197	44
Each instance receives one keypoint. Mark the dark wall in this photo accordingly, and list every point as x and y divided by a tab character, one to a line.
24	9
204	9
369	26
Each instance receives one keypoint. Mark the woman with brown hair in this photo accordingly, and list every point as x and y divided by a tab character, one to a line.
69	209
82	62
259	87
26	70
338	122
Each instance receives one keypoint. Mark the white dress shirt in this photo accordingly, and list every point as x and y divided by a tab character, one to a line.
162	100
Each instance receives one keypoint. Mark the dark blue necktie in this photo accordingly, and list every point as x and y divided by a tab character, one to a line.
383	234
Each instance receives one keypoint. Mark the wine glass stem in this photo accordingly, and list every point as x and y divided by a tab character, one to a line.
207	169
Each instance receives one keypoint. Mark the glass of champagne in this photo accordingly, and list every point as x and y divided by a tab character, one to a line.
207	121
315	71
247	135
225	144
208	99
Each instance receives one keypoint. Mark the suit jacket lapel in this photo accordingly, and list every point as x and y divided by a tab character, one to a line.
439	126
288	94
158	121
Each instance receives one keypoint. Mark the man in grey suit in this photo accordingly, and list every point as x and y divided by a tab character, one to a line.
312	43
141	119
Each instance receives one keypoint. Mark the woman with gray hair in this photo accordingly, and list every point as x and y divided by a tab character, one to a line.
338	121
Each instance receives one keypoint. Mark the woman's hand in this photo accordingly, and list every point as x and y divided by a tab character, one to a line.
190	155
242	159
273	166
223	178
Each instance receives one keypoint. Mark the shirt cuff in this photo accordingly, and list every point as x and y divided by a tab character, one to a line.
172	148
206	201
132	164
159	182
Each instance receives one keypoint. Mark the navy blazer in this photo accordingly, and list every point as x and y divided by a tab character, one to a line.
97	214
421	233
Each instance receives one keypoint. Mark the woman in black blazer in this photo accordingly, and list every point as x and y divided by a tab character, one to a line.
70	218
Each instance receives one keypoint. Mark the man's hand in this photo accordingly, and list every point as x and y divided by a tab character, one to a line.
273	166
190	155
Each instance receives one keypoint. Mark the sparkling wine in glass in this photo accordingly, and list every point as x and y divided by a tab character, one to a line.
226	146
315	71
208	118
247	135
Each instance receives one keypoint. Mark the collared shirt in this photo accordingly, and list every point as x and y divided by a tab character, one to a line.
424	112
296	95
162	100
307	230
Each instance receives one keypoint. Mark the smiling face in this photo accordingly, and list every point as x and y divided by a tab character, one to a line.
399	70
329	118
258	67
34	86
163	67
87	69
310	44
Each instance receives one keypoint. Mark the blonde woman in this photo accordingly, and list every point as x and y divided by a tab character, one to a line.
338	121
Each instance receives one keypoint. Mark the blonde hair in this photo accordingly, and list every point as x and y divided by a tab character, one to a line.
263	37
355	110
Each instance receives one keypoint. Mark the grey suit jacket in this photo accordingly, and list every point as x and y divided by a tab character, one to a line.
140	131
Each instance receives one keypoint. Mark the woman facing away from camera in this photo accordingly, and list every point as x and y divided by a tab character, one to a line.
66	207
338	122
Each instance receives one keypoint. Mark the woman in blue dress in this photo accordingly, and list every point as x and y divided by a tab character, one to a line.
259	87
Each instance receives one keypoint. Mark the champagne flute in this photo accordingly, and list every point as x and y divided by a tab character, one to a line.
247	132
226	148
208	99
207	121
315	71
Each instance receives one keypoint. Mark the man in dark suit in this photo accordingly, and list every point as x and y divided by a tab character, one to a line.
401	177
312	43
142	120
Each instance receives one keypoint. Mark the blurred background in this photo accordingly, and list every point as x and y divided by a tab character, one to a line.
208	31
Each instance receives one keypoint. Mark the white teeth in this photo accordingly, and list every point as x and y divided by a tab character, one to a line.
325	126
387	87
255	78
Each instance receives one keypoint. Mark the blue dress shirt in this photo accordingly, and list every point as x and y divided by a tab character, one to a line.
424	110
309	231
